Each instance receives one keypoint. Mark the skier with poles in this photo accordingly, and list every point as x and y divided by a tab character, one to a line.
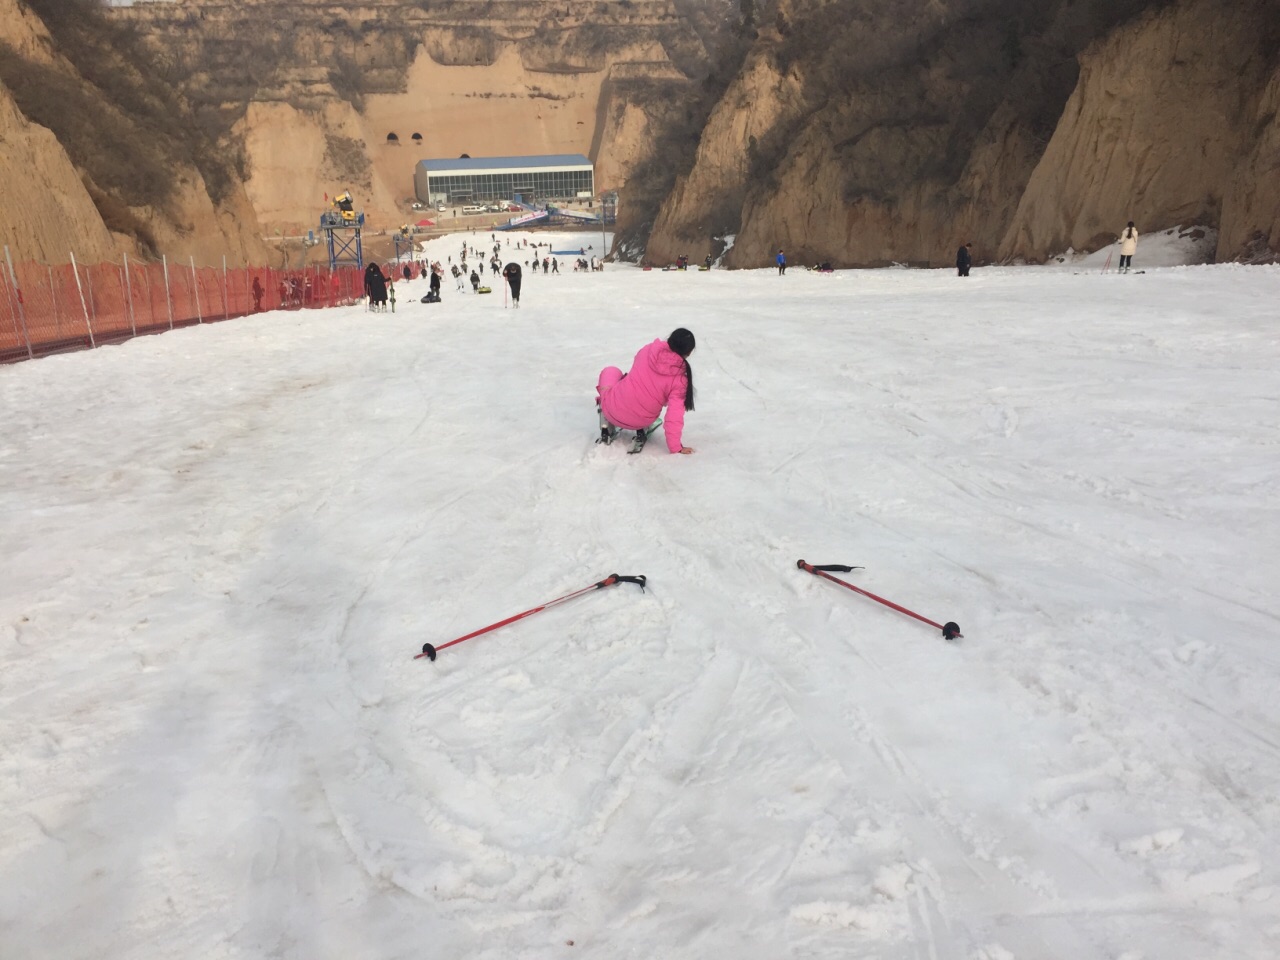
660	376
1128	247
512	274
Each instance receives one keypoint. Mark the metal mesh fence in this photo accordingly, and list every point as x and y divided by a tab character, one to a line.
50	309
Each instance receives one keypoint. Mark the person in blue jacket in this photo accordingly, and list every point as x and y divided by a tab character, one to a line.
782	263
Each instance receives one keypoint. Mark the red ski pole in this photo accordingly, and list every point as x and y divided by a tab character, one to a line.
430	652
950	629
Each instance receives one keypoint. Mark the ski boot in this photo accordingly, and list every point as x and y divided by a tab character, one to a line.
641	436
607	430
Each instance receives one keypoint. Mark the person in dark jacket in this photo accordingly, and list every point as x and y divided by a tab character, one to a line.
963	260
375	286
512	273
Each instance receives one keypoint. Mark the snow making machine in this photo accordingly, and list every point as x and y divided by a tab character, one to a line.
341	225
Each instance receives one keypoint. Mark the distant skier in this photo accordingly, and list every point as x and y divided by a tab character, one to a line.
257	295
512	272
781	260
475	282
660	376
1128	247
964	259
436	273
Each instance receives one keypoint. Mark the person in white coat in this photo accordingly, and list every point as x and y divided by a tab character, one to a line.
1128	247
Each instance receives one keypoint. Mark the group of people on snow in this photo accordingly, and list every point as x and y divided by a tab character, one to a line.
660	377
1128	241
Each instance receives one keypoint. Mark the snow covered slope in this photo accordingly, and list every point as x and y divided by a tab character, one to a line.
223	546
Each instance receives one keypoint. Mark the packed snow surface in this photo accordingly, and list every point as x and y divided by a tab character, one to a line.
224	545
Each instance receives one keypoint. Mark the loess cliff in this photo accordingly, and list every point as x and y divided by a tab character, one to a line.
97	156
862	133
323	97
859	132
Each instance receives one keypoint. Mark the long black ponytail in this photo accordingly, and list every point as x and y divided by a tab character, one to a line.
682	343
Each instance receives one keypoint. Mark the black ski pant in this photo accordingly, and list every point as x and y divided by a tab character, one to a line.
1125	260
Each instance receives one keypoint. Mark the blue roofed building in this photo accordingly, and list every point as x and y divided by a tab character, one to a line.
458	180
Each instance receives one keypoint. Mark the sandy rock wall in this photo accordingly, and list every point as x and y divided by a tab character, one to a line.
1163	114
702	203
525	76
1250	226
923	225
47	210
1172	120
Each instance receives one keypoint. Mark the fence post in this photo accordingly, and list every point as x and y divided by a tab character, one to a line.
93	306
168	297
226	303
53	299
128	293
195	286
17	293
83	306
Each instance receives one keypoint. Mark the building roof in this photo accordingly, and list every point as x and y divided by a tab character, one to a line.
559	161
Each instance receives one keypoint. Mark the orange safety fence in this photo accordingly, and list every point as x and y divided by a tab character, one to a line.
51	309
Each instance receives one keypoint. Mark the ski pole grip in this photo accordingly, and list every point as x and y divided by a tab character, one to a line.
639	580
828	567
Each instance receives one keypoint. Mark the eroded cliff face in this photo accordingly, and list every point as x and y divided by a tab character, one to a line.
708	202
315	107
942	129
1165	111
47	210
56	200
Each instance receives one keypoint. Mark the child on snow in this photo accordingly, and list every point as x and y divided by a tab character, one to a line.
660	376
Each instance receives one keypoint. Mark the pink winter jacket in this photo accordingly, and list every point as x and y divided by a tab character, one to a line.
656	380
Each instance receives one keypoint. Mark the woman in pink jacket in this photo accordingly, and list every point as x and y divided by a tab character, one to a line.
660	376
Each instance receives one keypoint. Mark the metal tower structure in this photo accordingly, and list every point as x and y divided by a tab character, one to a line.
341	227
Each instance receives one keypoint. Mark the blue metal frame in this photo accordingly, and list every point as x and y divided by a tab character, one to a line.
343	238
403	246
